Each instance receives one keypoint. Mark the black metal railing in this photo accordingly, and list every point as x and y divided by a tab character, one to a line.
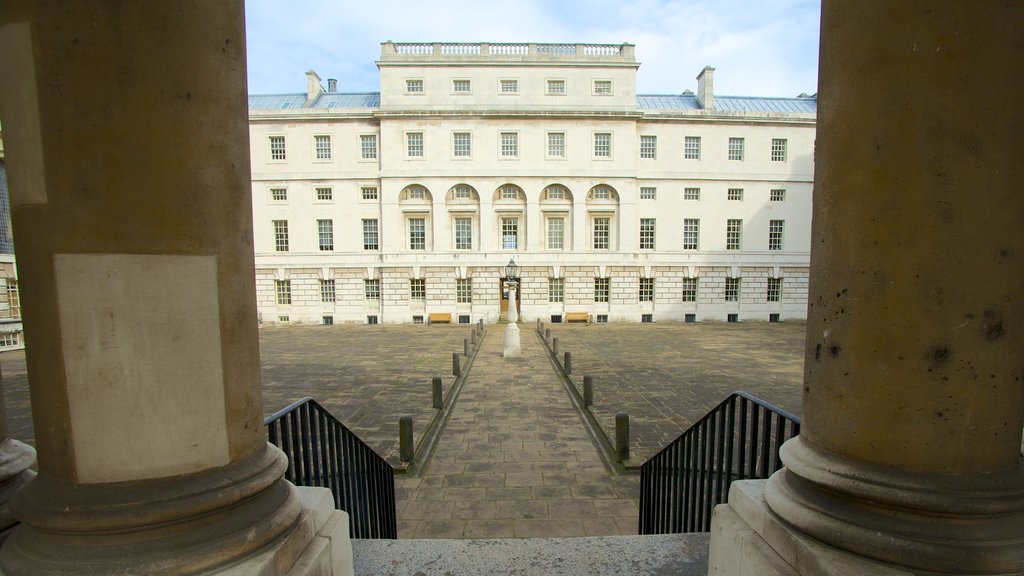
739	439
323	452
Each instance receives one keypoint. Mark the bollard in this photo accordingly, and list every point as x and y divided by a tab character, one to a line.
405	448
539	325
480	324
567	364
547	334
588	390
435	390
465	346
554	346
621	436
456	365
472	336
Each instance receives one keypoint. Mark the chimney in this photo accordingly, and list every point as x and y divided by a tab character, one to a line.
313	87
332	85
705	88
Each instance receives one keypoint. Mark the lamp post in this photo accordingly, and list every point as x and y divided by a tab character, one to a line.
513	348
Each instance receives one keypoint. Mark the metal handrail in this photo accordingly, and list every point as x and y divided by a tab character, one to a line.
738	439
323	452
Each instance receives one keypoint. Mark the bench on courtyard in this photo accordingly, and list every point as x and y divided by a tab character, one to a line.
440	318
577	317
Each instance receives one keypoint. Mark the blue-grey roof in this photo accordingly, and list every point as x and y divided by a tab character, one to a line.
728	103
276	101
326	100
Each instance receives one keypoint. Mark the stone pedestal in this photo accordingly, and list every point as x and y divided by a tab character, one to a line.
513	344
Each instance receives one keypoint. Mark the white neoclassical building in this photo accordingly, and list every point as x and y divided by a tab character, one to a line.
394	206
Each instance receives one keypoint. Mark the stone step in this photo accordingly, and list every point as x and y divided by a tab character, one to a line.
675	554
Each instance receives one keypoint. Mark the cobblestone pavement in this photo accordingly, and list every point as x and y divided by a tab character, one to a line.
515	461
668	376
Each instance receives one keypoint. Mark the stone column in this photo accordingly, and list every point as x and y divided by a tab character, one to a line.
908	458
127	141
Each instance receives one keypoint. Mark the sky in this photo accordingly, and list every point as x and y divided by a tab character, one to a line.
758	47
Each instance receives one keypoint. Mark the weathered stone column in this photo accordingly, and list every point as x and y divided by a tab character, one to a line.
913	402
127	142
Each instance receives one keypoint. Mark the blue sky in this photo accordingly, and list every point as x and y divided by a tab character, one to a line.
758	47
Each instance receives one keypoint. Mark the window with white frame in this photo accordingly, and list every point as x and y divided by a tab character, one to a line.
371	289
464	290
325	235
414	144
603	87
732	289
324	194
603	144
417	193
509	144
736	149
322	144
327	293
10	339
371	234
369	192
414	86
283	291
418	289
691	148
778	149
279	194
648	146
691	233
774	289
556	87
461	86
647	233
13	298
461	145
602	233
463	233
510	233
556	289
733	233
554	193
462	192
601	286
646	290
735	194
280	235
556	144
277	148
556	233
776	229
691	193
648	192
509	193
689	289
509	86
368	146
778	195
417	234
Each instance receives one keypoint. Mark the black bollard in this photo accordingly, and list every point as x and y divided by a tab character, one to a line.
465	346
547	334
405	447
588	390
554	346
621	436
567	364
456	365
437	399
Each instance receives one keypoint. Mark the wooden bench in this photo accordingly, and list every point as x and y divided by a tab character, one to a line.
577	317
440	318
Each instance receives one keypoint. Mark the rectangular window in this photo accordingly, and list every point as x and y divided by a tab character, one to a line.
691	193
556	144
509	193
464	290
689	289
602	233
417	234
324	194
509	86
691	148
368	146
371	319
463	233
461	146
371	234
648	146
774	289
778	149
10	339
603	144
556	87
414	144
416	193
509	144
556	233
328	320
462	193
603	87
13	298
461	86
509	233
369	192
327	294
735	194
418	289
371	289
778	195
414	86
556	289
323	147
283	291
280	235
647	289
648	192
277	149
601	289
647	233
279	194
733	233
732	289
691	233
776	229
325	234
736	149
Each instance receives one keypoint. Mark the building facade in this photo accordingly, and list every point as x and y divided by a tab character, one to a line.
11	332
389	207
